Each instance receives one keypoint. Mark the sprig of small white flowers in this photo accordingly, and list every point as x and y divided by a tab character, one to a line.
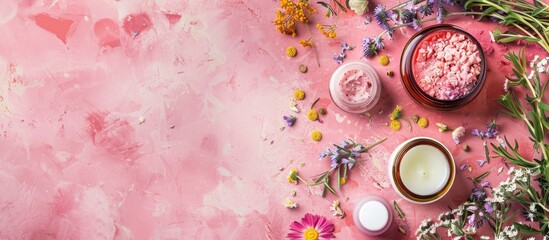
456	220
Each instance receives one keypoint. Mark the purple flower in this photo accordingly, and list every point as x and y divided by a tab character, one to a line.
485	184
454	2
471	220
427	8
334	162
463	167
321	155
441	13
339	57
349	163
344	144
472	208
477	132
334	155
345	46
407	16
367	20
528	216
478	194
378	42
416	24
326	152
481	162
411	7
491	131
357	148
380	14
368	48
290	120
488	208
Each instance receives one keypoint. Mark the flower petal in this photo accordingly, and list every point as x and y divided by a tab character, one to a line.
297	226
295	236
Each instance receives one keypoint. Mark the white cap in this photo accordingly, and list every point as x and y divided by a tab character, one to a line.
373	215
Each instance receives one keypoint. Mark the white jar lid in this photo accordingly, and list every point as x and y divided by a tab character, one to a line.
373	215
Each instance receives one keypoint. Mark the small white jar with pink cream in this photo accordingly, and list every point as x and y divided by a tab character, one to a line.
355	87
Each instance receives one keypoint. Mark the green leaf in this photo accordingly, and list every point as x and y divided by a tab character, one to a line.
340	5
399	211
539	10
487	12
530	39
345	172
320	180
526	229
543	105
507	39
339	177
327	185
481	176
486	151
327	6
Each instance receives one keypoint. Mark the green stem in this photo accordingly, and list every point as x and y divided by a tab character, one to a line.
401	5
543	207
379	141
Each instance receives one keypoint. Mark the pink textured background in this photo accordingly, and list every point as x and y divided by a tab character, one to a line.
211	81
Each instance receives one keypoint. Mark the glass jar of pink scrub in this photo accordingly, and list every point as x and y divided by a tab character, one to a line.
443	67
355	87
372	215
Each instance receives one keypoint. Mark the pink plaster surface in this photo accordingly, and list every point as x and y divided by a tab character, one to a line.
161	119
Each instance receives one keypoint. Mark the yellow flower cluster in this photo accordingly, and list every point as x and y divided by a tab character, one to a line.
383	60
395	125
423	122
312	115
327	30
291	51
292	13
299	94
292	176
396	113
306	42
316	135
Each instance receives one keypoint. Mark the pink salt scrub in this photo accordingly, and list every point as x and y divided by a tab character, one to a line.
355	86
446	65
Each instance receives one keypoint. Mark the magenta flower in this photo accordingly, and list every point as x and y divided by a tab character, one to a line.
311	227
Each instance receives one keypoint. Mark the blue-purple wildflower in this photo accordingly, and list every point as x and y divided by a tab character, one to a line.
491	131
427	8
381	15
481	162
339	57
378	41
478	194
407	16
346	154
416	24
290	120
368	48
441	13
488	208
